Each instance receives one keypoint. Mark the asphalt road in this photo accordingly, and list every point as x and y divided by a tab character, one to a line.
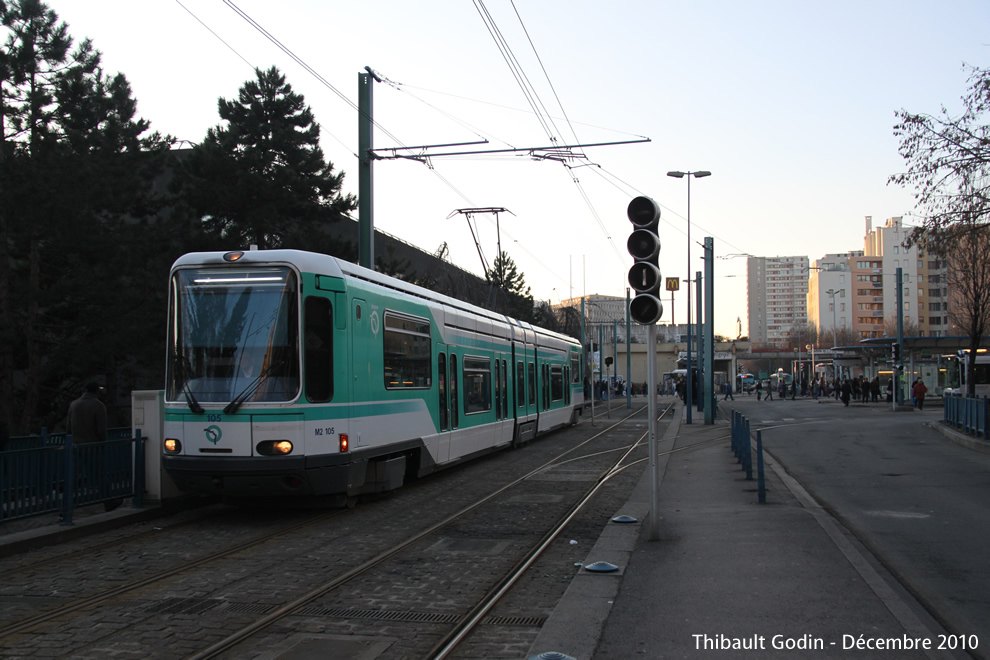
913	497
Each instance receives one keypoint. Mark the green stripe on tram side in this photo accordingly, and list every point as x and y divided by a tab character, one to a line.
310	412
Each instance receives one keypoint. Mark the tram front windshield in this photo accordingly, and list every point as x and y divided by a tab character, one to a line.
233	335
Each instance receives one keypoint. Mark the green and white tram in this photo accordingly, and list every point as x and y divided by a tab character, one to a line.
293	373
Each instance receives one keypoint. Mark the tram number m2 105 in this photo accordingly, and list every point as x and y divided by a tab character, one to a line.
323	430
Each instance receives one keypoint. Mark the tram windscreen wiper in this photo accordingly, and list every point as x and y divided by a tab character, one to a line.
179	364
251	388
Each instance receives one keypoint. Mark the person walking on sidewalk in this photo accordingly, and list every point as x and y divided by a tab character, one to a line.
919	392
728	391
769	396
759	389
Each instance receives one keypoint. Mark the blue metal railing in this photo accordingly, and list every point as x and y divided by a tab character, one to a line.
49	473
967	414
742	447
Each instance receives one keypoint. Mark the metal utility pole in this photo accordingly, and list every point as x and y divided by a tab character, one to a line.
899	368
628	355
701	353
366	156
710	330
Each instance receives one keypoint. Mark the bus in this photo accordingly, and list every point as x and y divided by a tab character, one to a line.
745	383
980	375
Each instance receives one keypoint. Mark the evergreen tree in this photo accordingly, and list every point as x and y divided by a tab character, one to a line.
511	295
261	178
73	171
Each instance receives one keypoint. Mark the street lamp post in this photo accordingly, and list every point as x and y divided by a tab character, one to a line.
680	175
835	370
832	292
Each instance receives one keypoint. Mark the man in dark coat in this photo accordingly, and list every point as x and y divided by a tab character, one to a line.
87	423
88	417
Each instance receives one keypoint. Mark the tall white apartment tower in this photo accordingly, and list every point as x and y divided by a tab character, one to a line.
886	242
776	291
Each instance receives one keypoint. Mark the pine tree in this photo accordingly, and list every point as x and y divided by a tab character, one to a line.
72	167
512	296
261	178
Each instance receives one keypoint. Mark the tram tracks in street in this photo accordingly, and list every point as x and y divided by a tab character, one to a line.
464	623
132	596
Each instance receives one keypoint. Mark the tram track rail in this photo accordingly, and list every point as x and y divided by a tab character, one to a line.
85	602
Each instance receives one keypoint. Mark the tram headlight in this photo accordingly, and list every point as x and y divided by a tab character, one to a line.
274	448
172	446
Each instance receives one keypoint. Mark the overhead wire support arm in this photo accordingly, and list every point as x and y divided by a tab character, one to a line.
422	146
554	149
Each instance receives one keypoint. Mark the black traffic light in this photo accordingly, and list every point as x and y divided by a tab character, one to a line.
895	352
644	246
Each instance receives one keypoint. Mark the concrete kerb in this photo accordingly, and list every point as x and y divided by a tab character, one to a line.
578	621
962	439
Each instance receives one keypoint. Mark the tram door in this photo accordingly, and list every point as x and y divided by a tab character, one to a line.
445	416
360	337
504	423
525	388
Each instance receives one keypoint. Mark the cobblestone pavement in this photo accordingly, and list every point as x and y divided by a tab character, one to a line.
392	613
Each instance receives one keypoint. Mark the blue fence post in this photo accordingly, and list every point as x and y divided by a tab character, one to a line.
740	429
761	484
68	480
138	469
748	454
733	421
732	426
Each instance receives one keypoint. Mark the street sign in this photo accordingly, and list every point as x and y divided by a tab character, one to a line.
673	284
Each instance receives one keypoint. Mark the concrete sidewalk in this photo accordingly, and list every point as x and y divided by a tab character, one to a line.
730	577
26	534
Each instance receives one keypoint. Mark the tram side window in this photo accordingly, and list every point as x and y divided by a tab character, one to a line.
318	340
520	384
442	383
575	369
408	352
505	387
545	371
532	384
556	383
498	390
477	385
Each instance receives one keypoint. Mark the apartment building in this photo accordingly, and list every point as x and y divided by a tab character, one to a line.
776	291
831	294
855	290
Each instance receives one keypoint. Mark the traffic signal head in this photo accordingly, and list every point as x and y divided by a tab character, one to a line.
644	246
895	349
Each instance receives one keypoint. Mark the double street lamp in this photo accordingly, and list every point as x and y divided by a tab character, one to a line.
680	175
832	292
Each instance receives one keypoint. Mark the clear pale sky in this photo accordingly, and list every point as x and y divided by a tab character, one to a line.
790	105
